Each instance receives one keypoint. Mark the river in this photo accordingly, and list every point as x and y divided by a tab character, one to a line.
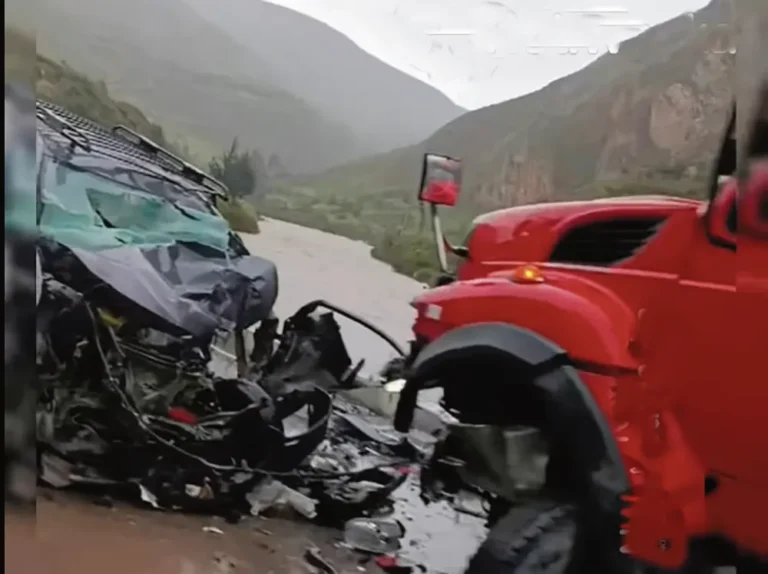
313	264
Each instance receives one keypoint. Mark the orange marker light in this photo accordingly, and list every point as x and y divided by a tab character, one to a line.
527	274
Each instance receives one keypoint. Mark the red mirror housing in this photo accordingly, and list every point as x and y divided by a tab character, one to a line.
753	202
720	212
440	180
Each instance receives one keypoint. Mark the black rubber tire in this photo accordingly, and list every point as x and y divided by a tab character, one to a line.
540	537
547	537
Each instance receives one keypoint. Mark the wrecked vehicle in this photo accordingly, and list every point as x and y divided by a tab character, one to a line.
141	277
608	404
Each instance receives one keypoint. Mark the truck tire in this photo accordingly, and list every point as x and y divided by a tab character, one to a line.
540	537
545	537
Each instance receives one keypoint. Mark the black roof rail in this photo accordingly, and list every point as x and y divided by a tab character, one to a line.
174	162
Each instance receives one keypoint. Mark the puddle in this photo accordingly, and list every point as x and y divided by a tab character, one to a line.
436	535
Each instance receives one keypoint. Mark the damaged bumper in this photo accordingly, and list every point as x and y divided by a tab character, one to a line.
129	405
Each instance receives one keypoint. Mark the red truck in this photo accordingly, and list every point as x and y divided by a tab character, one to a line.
605	364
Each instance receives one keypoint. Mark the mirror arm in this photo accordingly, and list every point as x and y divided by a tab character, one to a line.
439	239
458	250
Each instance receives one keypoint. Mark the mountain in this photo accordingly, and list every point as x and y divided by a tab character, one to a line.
380	103
654	109
188	75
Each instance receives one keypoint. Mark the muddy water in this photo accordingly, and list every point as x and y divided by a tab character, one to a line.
316	265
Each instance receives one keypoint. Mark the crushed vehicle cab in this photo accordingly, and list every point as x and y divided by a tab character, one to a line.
602	362
141	278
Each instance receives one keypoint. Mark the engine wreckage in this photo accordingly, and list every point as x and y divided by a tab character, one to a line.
140	279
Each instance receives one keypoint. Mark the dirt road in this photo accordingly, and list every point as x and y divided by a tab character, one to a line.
74	535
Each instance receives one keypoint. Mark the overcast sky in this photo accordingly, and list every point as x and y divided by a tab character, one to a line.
480	52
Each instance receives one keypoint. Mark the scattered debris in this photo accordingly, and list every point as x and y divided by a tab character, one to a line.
395	565
270	493
54	470
213	530
374	535
148	497
315	559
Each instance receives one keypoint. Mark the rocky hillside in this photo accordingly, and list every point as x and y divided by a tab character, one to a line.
651	112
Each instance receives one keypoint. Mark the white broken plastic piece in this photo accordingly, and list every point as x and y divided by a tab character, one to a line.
374	535
272	492
395	386
55	471
193	490
148	497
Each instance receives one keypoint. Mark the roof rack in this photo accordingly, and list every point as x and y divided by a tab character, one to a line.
76	136
184	168
124	143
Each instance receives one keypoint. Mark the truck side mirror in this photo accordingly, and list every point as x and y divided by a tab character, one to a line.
440	185
753	195
440	180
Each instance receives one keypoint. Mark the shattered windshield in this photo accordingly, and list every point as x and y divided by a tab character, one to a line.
94	211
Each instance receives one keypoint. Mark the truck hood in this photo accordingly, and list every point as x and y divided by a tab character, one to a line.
530	232
563	209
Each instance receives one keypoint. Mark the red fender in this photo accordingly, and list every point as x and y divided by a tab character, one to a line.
590	322
597	330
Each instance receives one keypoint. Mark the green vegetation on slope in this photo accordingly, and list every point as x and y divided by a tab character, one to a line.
62	85
241	215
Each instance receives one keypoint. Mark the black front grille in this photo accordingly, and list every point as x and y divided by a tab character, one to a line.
605	243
